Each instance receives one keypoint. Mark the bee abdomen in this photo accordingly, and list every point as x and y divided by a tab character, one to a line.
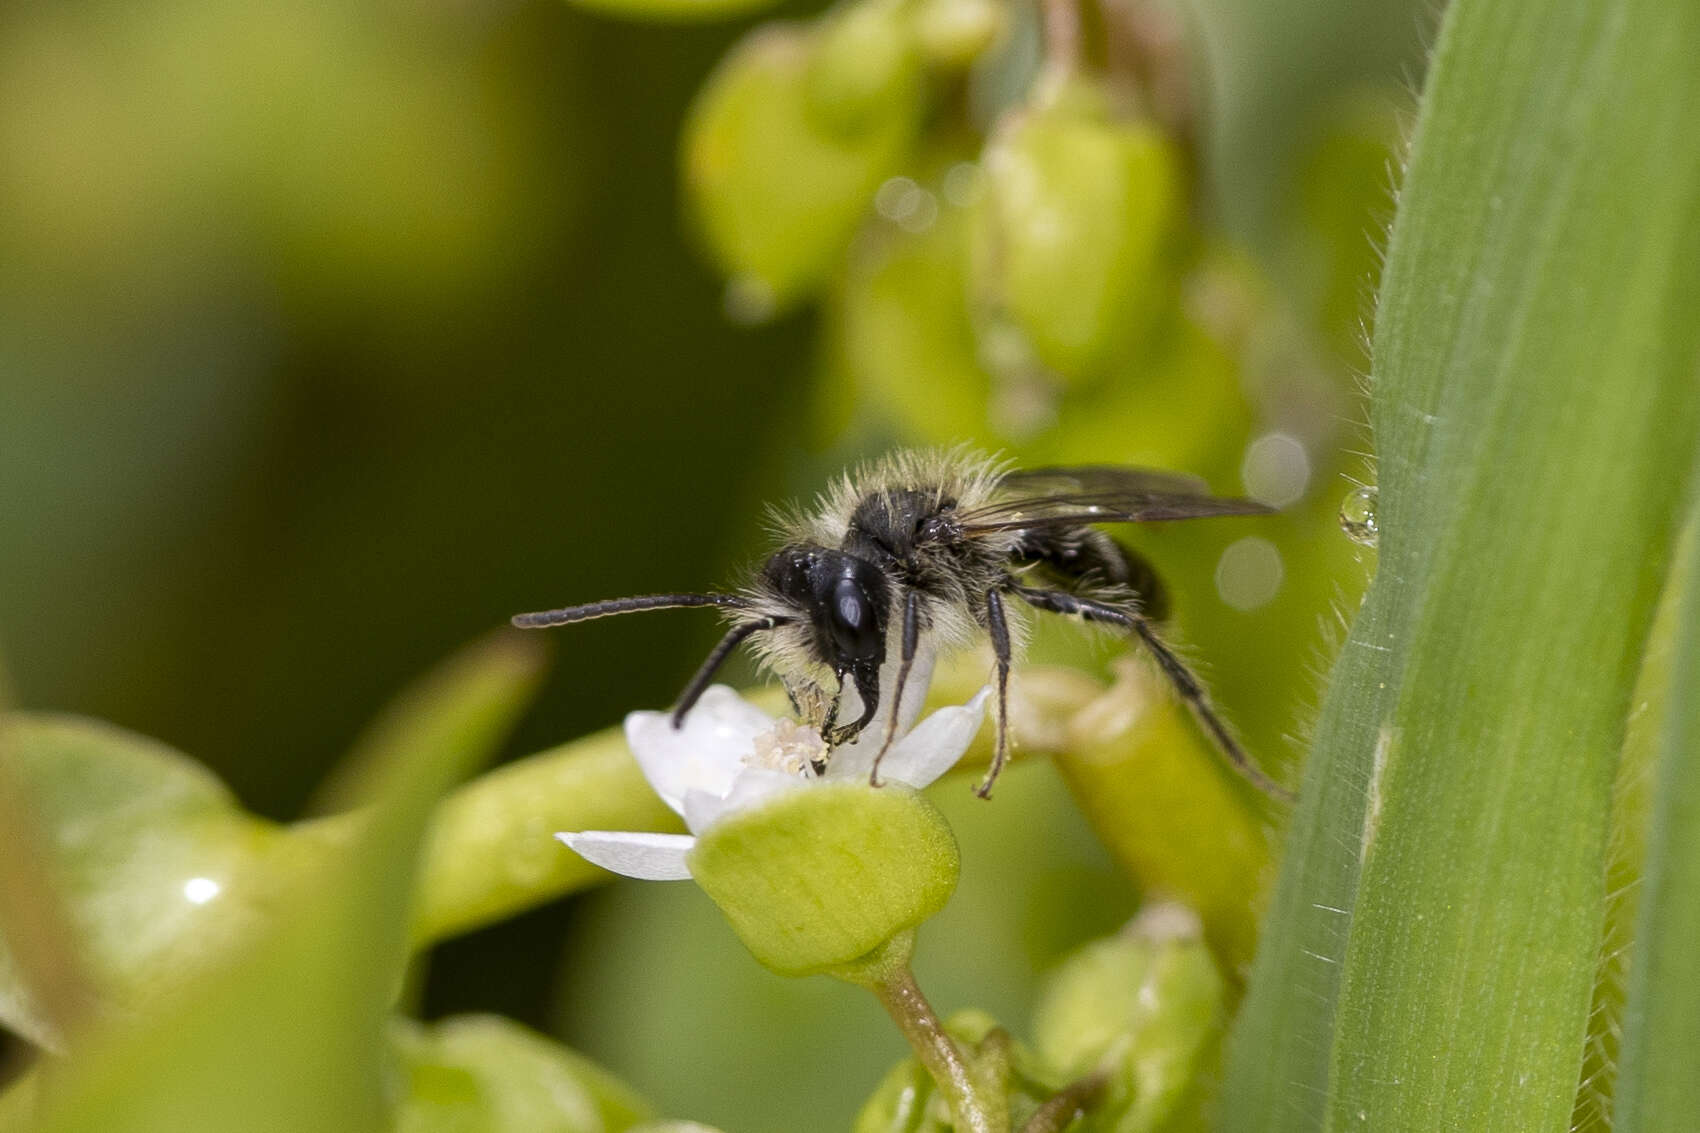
1087	555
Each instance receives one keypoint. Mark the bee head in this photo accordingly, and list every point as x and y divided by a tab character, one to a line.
844	599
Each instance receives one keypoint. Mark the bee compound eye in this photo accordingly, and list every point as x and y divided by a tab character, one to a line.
852	621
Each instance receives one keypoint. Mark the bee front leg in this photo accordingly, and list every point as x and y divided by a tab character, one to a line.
867	678
911	640
808	699
829	722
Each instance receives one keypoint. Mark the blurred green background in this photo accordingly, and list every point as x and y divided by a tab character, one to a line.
332	334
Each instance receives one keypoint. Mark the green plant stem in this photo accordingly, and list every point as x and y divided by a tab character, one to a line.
901	997
491	852
1069	1103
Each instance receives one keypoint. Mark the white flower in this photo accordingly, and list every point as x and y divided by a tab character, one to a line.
730	755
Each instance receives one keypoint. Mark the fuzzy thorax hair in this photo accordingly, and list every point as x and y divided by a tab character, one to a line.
866	511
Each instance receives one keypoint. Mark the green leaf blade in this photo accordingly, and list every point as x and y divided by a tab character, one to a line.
107	836
491	851
468	705
1535	410
1657	1087
288	1031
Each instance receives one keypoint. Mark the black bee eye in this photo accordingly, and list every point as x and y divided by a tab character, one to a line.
852	622
843	596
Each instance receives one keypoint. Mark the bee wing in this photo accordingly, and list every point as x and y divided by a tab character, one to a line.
1097	479
1098	493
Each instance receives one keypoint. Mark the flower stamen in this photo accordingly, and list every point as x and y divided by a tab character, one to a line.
790	747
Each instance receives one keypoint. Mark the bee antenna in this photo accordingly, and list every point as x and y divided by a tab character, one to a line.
735	637
546	618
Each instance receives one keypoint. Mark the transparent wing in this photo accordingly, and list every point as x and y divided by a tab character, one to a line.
1099	493
1098	478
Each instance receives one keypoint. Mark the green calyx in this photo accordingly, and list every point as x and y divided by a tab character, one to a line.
822	879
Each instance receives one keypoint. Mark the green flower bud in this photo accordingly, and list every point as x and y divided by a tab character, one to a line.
1144	1007
775	192
1075	229
954	33
864	64
822	879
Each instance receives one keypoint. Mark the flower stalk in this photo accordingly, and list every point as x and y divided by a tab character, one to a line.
972	1109
1073	1100
1061	23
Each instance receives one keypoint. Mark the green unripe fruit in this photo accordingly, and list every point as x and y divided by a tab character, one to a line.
902	337
821	879
954	33
775	193
864	65
1075	230
483	1072
677	11
1145	1006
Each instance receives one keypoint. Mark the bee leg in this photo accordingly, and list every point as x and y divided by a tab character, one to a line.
911	641
800	695
1185	684
998	626
808	699
717	657
829	723
867	680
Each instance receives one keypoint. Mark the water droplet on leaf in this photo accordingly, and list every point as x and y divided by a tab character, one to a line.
1357	516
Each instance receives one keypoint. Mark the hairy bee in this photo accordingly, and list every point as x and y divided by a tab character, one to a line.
924	551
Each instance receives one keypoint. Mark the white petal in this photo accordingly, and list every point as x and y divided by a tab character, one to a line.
705	753
936	743
651	857
754	786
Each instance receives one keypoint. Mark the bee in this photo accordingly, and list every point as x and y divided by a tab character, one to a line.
924	551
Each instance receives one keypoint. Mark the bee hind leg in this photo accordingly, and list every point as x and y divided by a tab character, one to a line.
1185	684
